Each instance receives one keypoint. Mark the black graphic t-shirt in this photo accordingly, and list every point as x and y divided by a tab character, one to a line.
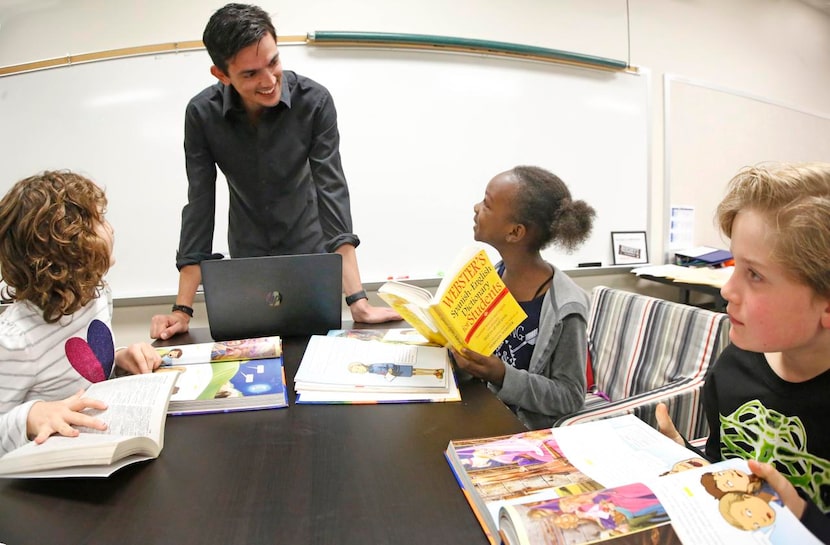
755	414
517	348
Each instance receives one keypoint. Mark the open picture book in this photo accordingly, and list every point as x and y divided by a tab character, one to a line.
471	308
226	376
614	481
135	416
340	369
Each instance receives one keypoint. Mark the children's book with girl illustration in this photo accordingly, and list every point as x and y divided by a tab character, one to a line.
226	376
471	308
135	416
614	481
344	369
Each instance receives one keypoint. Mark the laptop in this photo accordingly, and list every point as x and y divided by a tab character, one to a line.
276	295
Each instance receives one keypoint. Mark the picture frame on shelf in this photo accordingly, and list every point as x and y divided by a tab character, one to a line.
629	247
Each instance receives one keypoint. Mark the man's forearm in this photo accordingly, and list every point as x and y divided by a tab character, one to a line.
351	272
190	276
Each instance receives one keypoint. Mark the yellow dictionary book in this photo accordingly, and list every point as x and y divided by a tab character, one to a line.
472	308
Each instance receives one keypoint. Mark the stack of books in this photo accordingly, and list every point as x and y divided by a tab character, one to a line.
225	376
346	367
703	256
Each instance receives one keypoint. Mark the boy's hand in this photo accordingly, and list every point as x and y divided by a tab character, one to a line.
49	417
665	425
784	488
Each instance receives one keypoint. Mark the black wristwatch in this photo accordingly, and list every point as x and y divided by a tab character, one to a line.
183	308
355	297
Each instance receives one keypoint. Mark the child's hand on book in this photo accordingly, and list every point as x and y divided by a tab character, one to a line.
50	417
784	488
138	358
489	368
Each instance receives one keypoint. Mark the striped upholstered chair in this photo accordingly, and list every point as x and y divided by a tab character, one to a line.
646	350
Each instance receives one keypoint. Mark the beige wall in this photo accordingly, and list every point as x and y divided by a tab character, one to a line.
779	49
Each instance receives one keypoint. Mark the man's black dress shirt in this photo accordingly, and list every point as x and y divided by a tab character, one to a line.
287	190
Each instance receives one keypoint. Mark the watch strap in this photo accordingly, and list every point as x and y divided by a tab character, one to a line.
183	308
355	297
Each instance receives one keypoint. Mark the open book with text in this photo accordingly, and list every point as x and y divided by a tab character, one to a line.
226	376
471	308
614	481
135	416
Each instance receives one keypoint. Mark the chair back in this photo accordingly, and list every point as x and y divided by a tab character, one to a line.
640	343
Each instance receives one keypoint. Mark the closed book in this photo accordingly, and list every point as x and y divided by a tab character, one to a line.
702	255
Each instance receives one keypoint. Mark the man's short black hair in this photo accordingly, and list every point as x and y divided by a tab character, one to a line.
232	28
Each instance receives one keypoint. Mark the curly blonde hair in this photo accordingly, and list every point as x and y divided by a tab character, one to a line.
795	199
50	252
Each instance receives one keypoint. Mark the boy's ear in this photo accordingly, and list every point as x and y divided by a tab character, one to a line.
220	75
825	315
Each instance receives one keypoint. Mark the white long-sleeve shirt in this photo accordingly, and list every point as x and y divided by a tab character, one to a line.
33	362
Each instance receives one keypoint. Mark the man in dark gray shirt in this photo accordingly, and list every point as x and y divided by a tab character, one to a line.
274	136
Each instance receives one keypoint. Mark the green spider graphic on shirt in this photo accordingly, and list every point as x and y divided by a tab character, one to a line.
755	432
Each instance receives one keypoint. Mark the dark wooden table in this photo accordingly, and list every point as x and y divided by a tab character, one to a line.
339	474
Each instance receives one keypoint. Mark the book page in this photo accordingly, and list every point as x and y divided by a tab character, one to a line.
136	405
622	450
136	408
232	350
345	362
721	504
412	302
228	386
630	514
643	483
514	469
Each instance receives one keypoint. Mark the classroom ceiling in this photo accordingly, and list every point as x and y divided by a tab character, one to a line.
10	7
821	5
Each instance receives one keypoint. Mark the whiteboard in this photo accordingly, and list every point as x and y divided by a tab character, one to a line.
421	135
713	132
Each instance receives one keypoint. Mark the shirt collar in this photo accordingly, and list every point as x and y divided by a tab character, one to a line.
232	103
